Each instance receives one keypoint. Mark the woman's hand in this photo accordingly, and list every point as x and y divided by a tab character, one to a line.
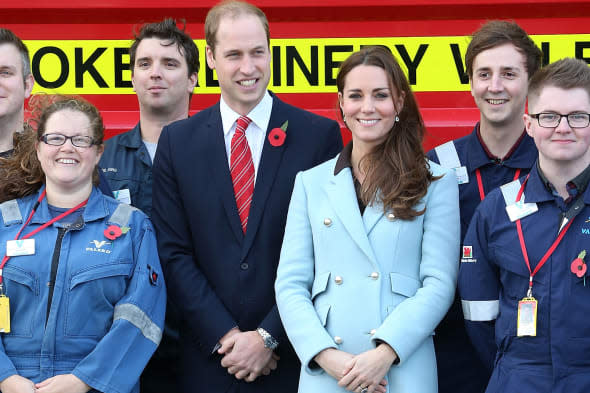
333	361
368	370
66	383
17	384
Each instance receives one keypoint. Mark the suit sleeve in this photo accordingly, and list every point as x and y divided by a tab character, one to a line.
118	359
326	149
415	318
479	287
206	316
431	155
295	277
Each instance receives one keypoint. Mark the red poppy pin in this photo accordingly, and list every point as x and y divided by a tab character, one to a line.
579	266
113	231
277	135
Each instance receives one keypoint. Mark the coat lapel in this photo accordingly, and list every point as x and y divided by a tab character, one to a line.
220	171
342	196
267	171
372	215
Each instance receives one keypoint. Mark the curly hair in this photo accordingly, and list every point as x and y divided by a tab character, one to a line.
396	171
22	172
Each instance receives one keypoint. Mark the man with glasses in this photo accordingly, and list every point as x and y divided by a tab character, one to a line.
523	280
500	59
16	84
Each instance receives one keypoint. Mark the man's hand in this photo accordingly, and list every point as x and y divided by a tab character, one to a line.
368	370
17	384
245	355
66	383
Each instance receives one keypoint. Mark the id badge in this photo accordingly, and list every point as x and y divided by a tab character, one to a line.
526	324
518	210
123	196
15	248
4	314
461	174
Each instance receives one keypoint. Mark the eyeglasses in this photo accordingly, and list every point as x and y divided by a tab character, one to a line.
60	139
552	120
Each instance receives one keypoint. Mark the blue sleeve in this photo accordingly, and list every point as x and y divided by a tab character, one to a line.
120	356
479	285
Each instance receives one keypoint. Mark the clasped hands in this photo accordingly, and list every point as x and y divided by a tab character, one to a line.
65	383
364	372
245	356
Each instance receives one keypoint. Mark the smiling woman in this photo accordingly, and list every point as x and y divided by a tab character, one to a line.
102	306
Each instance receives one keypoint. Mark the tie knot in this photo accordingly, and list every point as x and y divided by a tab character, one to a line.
242	124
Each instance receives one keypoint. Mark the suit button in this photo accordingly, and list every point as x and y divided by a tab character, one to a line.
390	216
338	339
374	275
338	280
327	222
244	266
372	332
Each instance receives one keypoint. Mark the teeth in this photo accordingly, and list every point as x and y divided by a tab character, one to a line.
66	161
248	82
496	102
368	122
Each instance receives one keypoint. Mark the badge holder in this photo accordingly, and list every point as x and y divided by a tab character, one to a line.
4	311
526	324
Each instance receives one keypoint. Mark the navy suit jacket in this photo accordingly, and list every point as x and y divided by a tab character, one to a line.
217	276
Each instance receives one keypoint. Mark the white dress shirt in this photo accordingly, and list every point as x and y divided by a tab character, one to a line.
256	131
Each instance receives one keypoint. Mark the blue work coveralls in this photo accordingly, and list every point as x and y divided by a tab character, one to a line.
494	277
107	309
127	165
459	368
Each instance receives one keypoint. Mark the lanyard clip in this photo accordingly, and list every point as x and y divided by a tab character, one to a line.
529	292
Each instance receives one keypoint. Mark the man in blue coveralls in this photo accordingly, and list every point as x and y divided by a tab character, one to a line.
523	277
500	60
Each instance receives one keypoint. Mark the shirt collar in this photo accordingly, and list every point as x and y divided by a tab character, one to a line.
343	160
491	156
260	114
580	182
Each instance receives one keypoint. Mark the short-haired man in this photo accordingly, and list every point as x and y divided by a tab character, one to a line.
222	185
526	280
500	60
164	64
16	84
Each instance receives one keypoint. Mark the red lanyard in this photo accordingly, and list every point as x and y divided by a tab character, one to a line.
39	229
482	194
523	246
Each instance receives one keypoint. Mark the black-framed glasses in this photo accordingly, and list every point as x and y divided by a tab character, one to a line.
552	120
60	139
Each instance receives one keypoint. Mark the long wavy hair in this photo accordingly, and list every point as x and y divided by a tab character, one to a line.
396	171
21	173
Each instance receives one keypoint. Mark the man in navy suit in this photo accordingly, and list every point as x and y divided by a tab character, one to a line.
222	184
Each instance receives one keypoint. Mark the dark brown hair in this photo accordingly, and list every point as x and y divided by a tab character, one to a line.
396	171
498	32
22	173
232	9
8	37
167	30
565	74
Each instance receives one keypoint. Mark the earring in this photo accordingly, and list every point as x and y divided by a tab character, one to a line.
396	118
344	118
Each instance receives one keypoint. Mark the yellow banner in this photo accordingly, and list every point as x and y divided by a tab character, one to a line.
299	65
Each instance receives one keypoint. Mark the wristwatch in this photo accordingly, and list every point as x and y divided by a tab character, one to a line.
269	341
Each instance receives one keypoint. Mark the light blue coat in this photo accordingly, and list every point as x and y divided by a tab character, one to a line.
347	281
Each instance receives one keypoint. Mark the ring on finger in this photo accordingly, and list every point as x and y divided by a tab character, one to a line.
364	389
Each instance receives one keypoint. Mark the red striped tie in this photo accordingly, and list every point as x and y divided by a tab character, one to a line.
242	170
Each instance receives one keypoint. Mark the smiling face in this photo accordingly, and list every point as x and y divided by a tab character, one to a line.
499	86
241	60
68	168
562	145
14	89
369	105
160	77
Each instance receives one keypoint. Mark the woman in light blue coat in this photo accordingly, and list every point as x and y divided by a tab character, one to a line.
369	259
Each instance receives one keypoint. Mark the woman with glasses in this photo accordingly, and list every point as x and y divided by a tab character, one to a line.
82	299
369	259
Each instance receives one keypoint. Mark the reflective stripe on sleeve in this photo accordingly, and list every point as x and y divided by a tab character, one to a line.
122	215
447	155
481	310
11	213
138	318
